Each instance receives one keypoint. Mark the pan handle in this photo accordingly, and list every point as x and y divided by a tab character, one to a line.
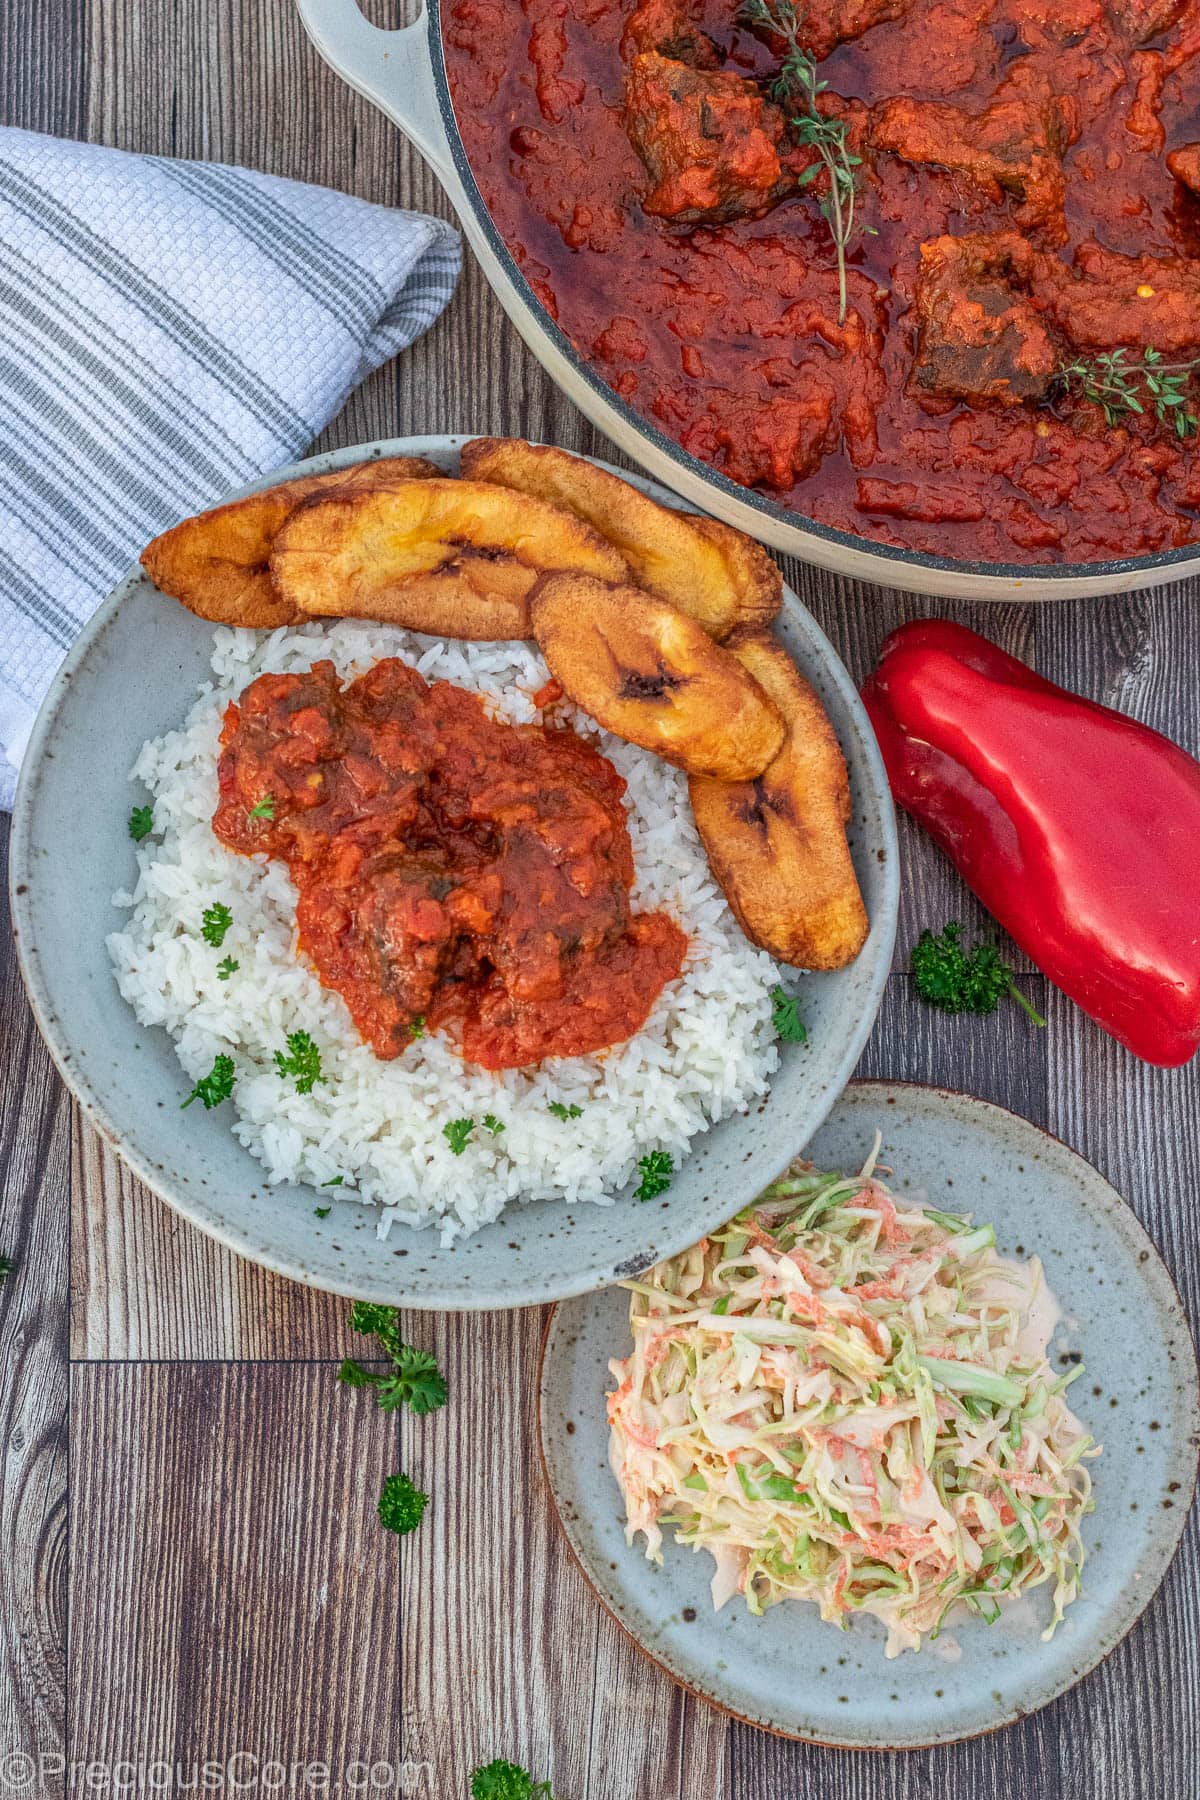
392	69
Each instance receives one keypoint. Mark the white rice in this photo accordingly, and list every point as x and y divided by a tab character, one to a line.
707	1049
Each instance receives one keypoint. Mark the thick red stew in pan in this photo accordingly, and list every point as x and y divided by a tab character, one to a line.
923	270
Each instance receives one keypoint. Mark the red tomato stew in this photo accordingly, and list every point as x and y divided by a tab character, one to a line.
1008	189
455	872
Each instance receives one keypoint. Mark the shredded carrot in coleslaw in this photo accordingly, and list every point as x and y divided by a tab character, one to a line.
845	1398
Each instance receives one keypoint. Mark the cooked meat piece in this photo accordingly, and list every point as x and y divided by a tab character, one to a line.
1106	300
664	25
776	441
709	140
980	337
1146	19
1014	146
823	24
1184	165
1038	22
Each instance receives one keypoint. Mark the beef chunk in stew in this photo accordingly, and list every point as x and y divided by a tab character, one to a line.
708	138
979	338
1184	165
667	26
1144	302
824	24
1146	19
1042	22
1013	146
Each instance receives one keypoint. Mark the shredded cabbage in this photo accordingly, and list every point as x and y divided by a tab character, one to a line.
845	1398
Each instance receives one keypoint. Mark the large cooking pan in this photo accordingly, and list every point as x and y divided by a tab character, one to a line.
403	73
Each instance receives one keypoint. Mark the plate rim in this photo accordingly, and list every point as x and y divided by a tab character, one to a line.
240	1239
1017	1712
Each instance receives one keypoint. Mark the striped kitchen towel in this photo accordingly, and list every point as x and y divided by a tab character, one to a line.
168	330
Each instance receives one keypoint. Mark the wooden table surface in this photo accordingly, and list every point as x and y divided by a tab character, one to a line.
190	1568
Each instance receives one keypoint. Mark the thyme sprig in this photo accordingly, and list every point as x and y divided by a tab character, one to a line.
797	85
1120	387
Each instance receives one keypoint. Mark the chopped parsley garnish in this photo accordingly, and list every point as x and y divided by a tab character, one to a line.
227	966
562	1111
7	1265
507	1781
265	808
214	1087
493	1124
457	1134
401	1505
414	1379
322	1212
656	1171
217	920
958	981
303	1060
141	823
416	1027
334	1181
785	1016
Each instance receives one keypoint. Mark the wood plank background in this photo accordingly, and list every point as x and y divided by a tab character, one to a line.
216	1585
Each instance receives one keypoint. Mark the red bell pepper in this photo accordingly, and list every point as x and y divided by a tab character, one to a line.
1078	828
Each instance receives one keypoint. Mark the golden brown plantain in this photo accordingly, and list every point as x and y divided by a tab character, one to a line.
719	576
653	676
452	558
215	564
777	845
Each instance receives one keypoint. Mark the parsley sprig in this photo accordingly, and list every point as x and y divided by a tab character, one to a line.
785	1016
656	1171
797	85
957	980
458	1134
216	922
507	1781
214	1087
415	1379
265	808
401	1505
562	1111
141	823
227	966
1120	387
303	1060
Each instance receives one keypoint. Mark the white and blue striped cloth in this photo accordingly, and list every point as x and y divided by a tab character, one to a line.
168	330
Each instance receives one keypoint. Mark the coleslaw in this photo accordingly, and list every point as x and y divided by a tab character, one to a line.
845	1398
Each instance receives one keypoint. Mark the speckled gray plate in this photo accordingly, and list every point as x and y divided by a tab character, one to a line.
132	675
788	1671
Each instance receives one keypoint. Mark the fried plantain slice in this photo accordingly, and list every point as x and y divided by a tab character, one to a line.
215	564
653	676
719	576
777	845
452	558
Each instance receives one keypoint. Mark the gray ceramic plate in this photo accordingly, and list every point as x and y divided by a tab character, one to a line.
131	676
788	1671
